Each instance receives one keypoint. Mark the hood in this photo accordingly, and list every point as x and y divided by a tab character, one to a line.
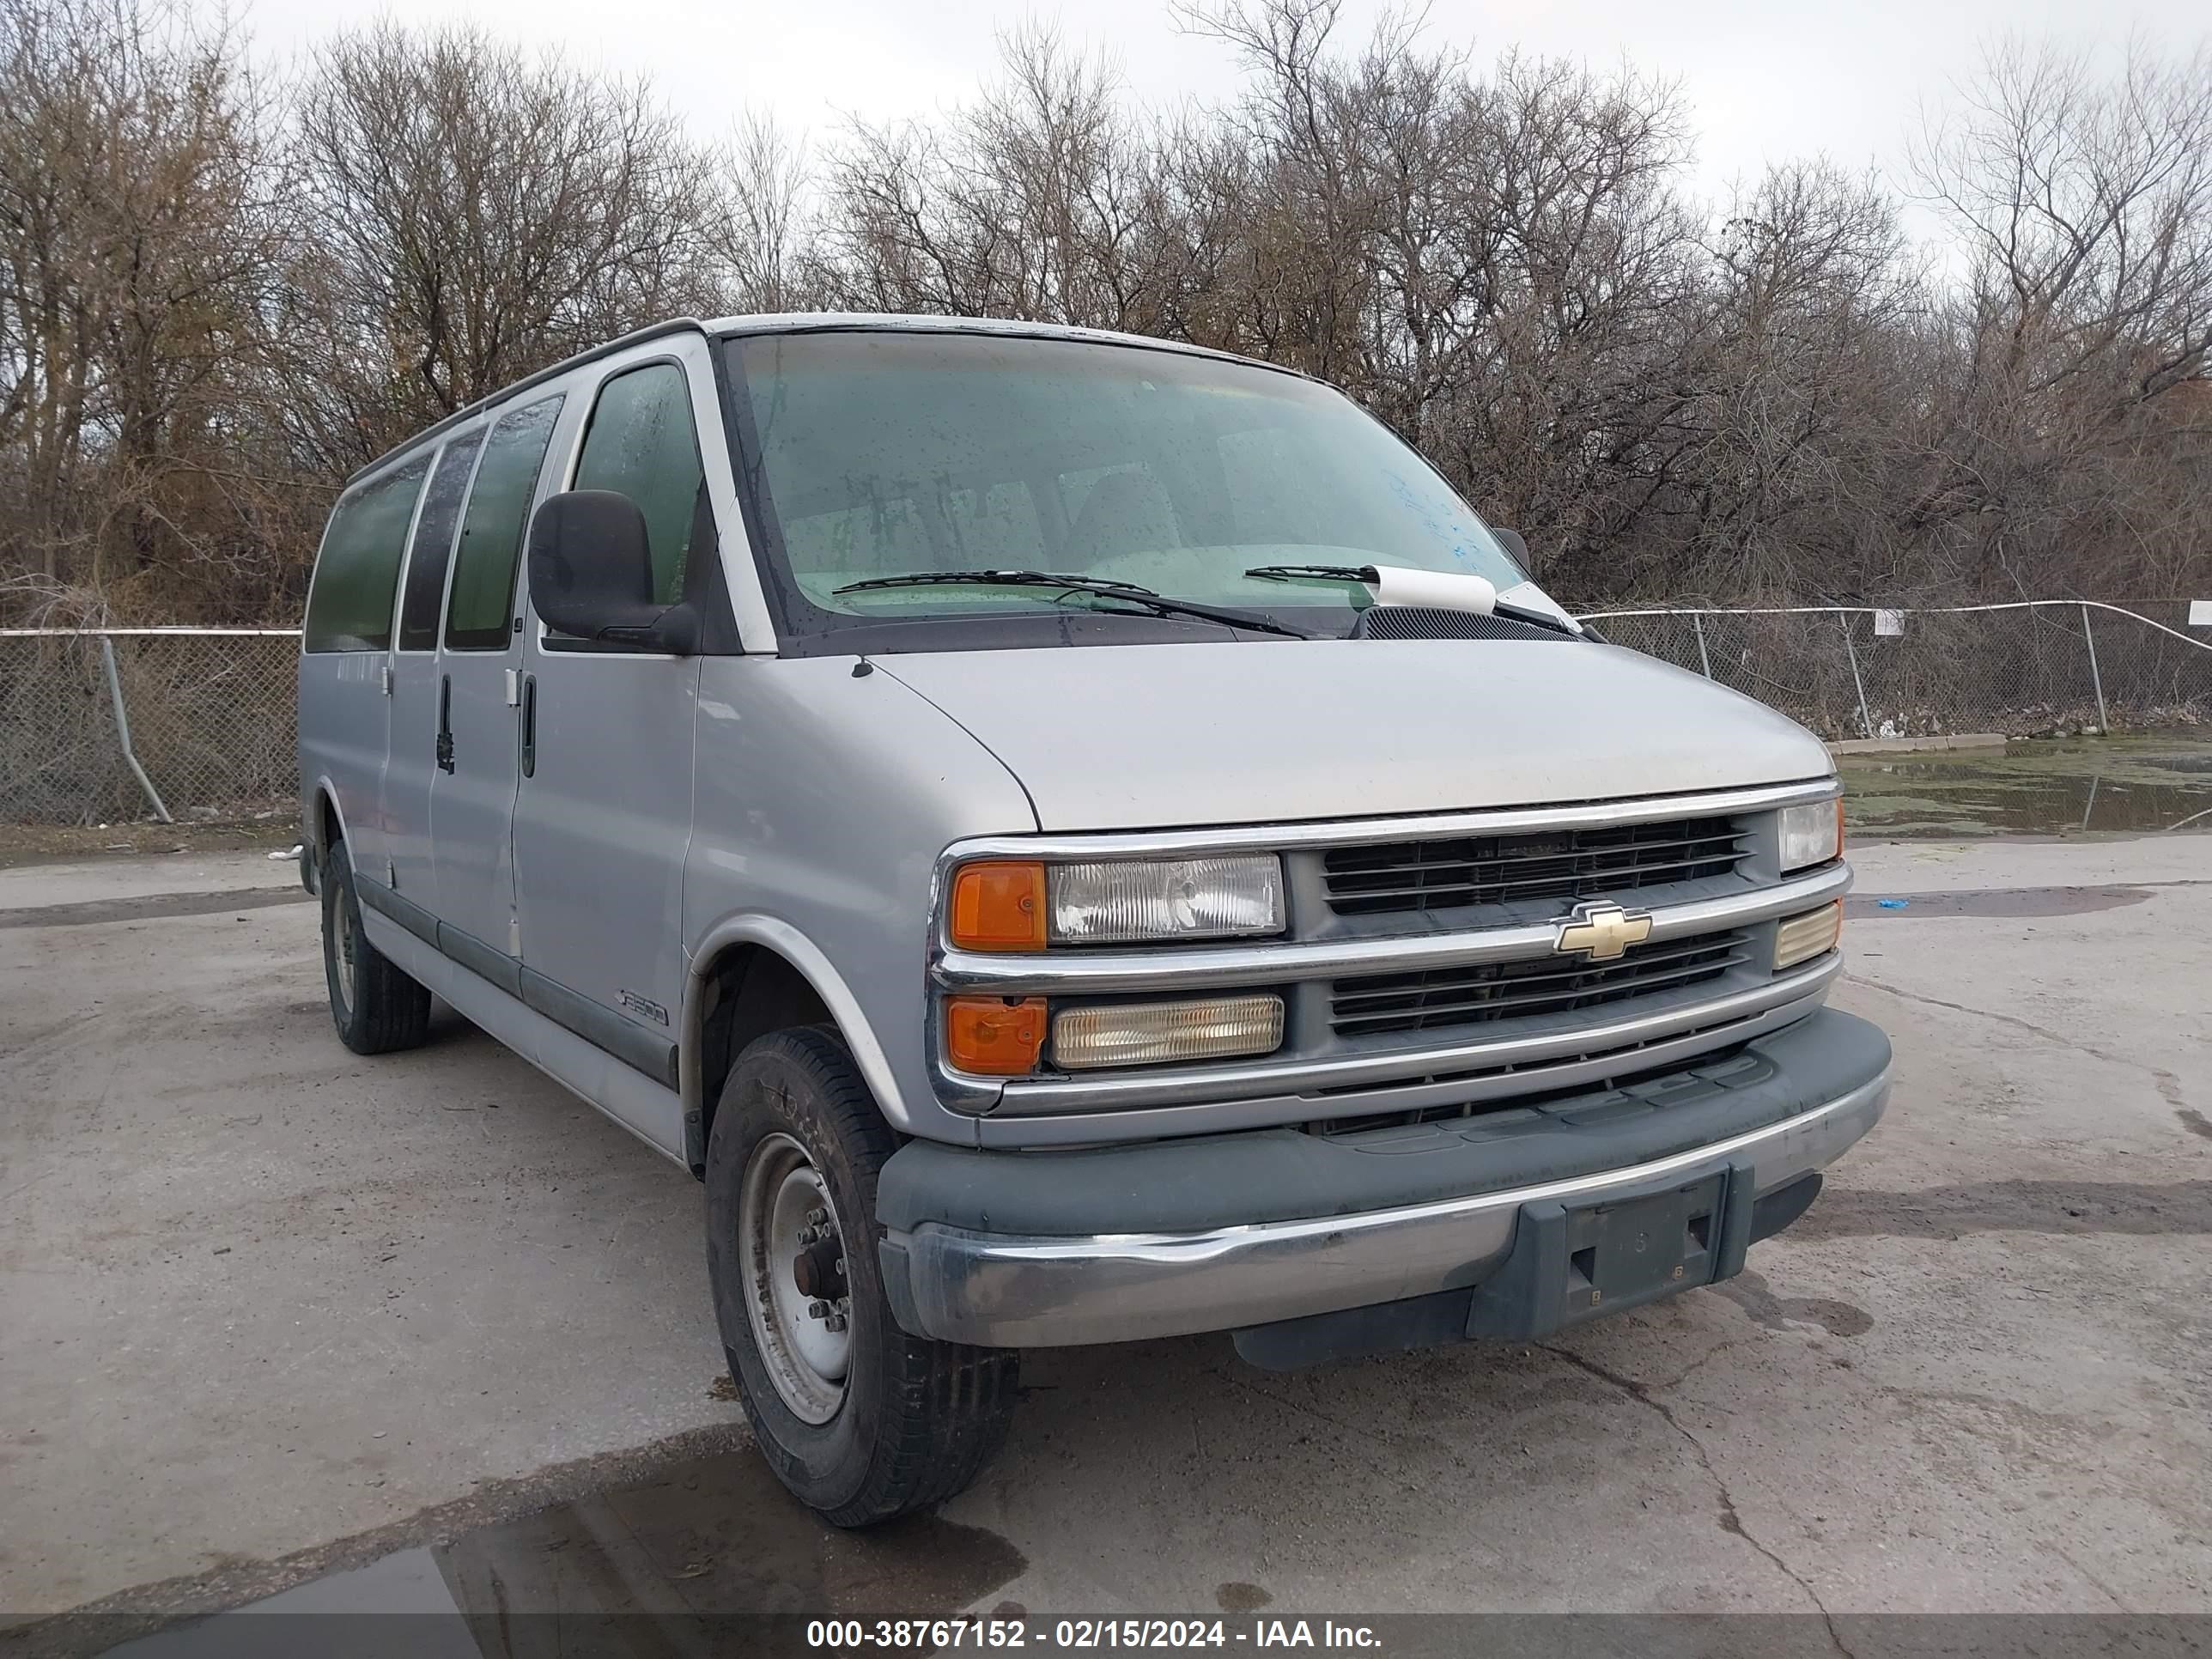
1158	737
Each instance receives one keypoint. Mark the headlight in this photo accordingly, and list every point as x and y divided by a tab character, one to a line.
1812	834
1004	905
1121	902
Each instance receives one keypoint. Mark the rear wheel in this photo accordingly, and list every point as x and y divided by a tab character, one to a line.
859	1419
375	1004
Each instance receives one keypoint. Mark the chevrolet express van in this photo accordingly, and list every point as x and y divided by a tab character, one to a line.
1072	839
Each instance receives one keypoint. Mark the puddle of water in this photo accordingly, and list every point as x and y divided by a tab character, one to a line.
711	1555
2151	784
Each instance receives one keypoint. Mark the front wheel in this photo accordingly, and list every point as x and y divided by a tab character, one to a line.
859	1419
375	1004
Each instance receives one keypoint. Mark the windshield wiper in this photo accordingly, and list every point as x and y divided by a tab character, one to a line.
1128	593
1364	574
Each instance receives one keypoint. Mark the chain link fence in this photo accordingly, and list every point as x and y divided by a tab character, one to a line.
209	715
2022	669
209	712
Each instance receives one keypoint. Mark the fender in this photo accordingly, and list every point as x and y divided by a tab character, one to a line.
802	953
311	838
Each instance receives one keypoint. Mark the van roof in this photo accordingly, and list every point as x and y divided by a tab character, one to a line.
803	322
807	322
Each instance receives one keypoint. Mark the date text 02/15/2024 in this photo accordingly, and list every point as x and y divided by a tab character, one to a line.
949	1635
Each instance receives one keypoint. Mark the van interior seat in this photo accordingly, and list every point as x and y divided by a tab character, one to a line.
1124	513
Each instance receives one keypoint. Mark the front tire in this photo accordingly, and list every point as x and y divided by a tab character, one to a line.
375	1004
860	1421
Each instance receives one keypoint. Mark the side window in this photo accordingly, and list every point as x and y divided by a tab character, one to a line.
483	602
433	544
350	605
641	443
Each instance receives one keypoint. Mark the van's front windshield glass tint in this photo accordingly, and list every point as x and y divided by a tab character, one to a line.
886	453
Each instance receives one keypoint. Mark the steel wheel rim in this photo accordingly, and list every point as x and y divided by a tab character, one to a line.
342	949
805	1359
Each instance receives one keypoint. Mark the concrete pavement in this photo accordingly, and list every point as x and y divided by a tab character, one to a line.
272	1309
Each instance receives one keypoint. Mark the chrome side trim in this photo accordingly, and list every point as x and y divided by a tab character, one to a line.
1618	1045
1017	1290
1428	826
1200	966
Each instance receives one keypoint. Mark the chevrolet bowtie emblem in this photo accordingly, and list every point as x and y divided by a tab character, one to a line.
1602	931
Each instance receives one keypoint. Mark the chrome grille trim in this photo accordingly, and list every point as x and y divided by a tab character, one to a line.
1204	967
1207	1114
1381	1069
1354	832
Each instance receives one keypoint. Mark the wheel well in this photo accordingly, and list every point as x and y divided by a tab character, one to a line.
750	991
324	831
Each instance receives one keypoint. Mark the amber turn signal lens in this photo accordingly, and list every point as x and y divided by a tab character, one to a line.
993	1036
999	907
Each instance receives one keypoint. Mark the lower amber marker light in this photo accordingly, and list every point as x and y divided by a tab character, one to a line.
994	1036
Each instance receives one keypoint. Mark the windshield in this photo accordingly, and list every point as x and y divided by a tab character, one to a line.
887	453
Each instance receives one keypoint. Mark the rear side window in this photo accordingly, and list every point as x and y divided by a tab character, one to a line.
642	444
482	604
350	605
433	543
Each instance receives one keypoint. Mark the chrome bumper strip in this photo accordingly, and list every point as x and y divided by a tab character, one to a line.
1012	1291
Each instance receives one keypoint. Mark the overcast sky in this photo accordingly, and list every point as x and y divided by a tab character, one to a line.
1765	79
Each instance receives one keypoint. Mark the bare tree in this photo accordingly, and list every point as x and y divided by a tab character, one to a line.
764	238
135	200
482	214
1042	201
2083	211
213	307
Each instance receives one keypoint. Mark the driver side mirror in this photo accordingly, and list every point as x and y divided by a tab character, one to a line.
591	574
1511	541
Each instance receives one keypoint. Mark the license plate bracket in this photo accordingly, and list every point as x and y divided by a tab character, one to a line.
1630	1250
1573	1262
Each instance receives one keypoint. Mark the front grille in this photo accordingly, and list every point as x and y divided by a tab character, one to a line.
1482	992
1553	864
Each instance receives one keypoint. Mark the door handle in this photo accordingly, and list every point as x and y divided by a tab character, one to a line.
444	722
530	725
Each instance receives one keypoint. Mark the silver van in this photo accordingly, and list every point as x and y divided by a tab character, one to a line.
1072	839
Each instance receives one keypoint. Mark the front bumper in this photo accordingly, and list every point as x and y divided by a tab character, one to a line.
1117	1243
